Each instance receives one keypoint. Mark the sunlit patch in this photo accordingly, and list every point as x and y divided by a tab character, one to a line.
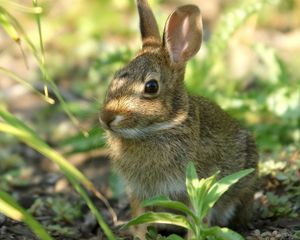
121	105
127	104
11	211
117	84
133	88
137	88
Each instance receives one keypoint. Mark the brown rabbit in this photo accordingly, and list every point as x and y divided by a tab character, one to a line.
155	128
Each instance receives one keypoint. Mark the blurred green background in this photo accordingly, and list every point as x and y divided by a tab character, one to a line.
253	73
249	64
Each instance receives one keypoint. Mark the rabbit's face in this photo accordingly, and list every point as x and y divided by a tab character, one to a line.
145	97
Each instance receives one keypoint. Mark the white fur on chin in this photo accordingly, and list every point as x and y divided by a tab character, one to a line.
145	131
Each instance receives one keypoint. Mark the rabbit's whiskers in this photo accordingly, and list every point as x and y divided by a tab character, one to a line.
144	131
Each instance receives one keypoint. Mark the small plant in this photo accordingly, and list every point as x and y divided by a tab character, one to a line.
277	206
62	210
203	194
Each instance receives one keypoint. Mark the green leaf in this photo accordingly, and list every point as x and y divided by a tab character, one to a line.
174	237
160	217
163	201
191	171
202	191
149	201
12	209
221	234
297	235
220	187
80	143
192	183
198	190
151	233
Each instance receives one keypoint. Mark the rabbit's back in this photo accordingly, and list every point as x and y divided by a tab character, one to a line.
223	143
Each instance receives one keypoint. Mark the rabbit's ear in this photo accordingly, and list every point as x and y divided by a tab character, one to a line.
183	33
148	25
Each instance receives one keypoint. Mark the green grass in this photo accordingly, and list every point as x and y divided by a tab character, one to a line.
11	125
15	127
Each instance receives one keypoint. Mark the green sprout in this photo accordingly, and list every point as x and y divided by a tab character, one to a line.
203	194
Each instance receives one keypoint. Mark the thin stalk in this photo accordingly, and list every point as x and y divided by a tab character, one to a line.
12	209
46	77
38	21
22	8
92	207
26	84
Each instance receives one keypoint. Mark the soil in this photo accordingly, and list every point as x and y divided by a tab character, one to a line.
45	182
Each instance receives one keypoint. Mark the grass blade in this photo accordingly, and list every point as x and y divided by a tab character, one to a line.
25	134
14	76
21	130
16	30
38	21
22	8
12	209
12	120
80	143
92	207
11	31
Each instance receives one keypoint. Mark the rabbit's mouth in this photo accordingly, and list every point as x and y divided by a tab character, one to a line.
146	131
142	132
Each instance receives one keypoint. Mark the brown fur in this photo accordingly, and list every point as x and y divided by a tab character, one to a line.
153	162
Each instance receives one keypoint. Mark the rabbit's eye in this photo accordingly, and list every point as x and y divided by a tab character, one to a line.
151	87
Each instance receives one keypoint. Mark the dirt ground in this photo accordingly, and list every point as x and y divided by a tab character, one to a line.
46	188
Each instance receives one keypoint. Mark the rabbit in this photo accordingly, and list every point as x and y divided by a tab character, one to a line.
154	127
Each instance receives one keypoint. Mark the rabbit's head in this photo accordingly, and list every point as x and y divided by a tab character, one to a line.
147	96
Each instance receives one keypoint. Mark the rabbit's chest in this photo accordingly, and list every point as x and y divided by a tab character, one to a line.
145	186
151	169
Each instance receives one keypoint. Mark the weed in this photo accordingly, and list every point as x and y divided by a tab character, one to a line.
203	194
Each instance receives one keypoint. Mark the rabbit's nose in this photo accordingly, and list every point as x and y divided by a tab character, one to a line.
107	117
